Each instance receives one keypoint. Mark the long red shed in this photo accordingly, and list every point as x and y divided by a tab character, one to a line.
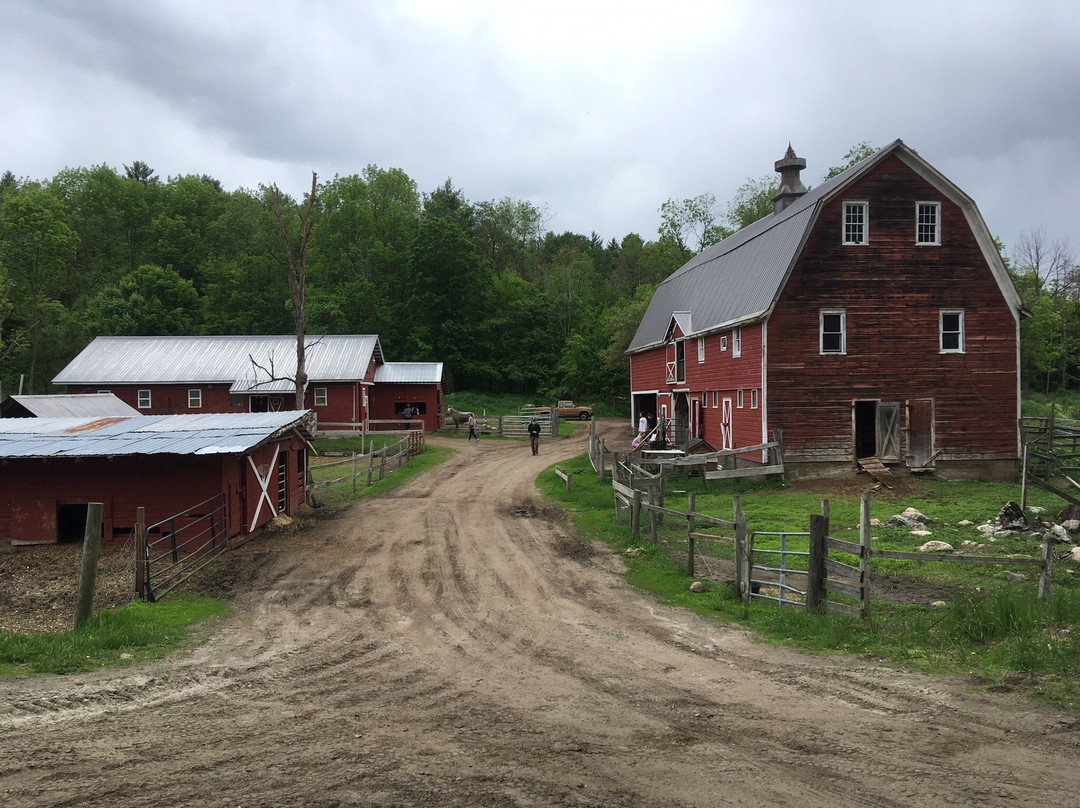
869	317
51	468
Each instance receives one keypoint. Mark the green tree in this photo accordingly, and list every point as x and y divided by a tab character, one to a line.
692	224
753	200
151	301
856	154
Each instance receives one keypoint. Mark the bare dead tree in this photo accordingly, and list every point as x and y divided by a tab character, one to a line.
296	263
1050	261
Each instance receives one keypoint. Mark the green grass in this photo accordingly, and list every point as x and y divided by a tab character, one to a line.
343	491
1065	405
994	631
111	637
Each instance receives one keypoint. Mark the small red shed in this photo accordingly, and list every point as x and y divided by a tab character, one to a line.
51	468
416	385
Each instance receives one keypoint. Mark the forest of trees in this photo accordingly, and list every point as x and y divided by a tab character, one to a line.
481	286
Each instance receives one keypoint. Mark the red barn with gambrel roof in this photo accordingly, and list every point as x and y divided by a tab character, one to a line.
869	317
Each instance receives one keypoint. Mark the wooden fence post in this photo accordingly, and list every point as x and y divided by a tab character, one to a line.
1044	576
742	560
816	563
370	467
864	557
1024	476
88	573
603	450
354	472
690	524
140	552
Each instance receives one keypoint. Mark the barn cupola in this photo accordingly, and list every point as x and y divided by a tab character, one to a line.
791	187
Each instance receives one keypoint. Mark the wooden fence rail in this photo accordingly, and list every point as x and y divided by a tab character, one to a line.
379	463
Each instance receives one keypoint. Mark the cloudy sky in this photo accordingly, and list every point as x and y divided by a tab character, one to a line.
596	112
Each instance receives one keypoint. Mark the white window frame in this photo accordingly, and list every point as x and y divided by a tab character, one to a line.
716	399
843	330
723	343
753	398
738	399
700	350
194	398
736	342
959	332
144	400
103	391
320	396
848	225
928	242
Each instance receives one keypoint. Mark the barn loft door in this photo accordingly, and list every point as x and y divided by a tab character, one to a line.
888	430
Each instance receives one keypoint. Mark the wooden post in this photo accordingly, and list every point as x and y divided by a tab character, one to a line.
1050	442
370	467
1044	576
569	482
140	552
635	515
1023	478
816	566
653	526
354	472
742	560
690	525
864	557
603	450
84	603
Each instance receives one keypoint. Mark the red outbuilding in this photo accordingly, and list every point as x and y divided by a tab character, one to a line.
51	468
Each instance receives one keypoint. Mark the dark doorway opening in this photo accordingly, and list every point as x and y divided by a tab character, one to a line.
70	523
865	428
260	404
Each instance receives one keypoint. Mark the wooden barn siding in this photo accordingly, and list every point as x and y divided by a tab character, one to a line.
164	485
892	291
386	400
343	399
725	373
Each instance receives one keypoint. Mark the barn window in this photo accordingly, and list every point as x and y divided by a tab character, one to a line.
194	398
701	350
753	399
723	343
237	400
736	342
739	400
833	332
927	215
320	396
855	223
715	399
144	399
102	391
951	325
680	360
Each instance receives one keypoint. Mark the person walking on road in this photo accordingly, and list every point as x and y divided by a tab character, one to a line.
472	429
534	435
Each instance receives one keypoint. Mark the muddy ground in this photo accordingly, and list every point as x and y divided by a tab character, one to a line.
431	647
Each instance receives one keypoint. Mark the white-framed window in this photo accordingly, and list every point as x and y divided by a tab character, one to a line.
951	330
701	350
928	223
736	342
833	332
144	399
856	224
715	399
104	391
738	399
194	398
320	396
753	399
723	343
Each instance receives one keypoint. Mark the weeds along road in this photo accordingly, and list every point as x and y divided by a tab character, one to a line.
429	647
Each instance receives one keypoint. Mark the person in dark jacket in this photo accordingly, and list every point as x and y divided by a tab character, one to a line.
534	435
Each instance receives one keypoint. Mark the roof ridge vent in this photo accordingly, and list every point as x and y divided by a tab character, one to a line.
791	187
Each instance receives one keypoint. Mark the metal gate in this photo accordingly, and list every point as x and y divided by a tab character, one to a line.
772	570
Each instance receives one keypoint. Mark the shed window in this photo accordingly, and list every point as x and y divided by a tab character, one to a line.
736	342
833	332
701	350
723	343
739	399
927	216
320	396
715	399
855	223
144	399
951	327
238	400
194	398
753	399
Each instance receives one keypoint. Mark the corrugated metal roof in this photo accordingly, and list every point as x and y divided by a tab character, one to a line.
75	405
409	373
211	433
223	359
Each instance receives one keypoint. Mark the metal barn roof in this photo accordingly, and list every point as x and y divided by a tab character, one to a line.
73	405
409	373
226	360
220	433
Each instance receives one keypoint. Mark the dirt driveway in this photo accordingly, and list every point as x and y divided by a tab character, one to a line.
431	648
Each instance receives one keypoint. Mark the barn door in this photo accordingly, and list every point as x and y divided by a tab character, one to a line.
920	432
888	430
725	424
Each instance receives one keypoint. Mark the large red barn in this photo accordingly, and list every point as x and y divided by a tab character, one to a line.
869	317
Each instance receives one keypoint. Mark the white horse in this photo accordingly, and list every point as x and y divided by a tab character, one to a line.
458	417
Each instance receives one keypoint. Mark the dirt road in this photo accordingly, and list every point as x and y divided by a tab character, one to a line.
431	648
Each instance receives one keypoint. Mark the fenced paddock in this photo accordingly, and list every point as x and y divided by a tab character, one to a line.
336	477
1051	451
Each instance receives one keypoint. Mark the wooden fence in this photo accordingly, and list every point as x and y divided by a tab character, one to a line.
171	551
1051	451
598	453
373	466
